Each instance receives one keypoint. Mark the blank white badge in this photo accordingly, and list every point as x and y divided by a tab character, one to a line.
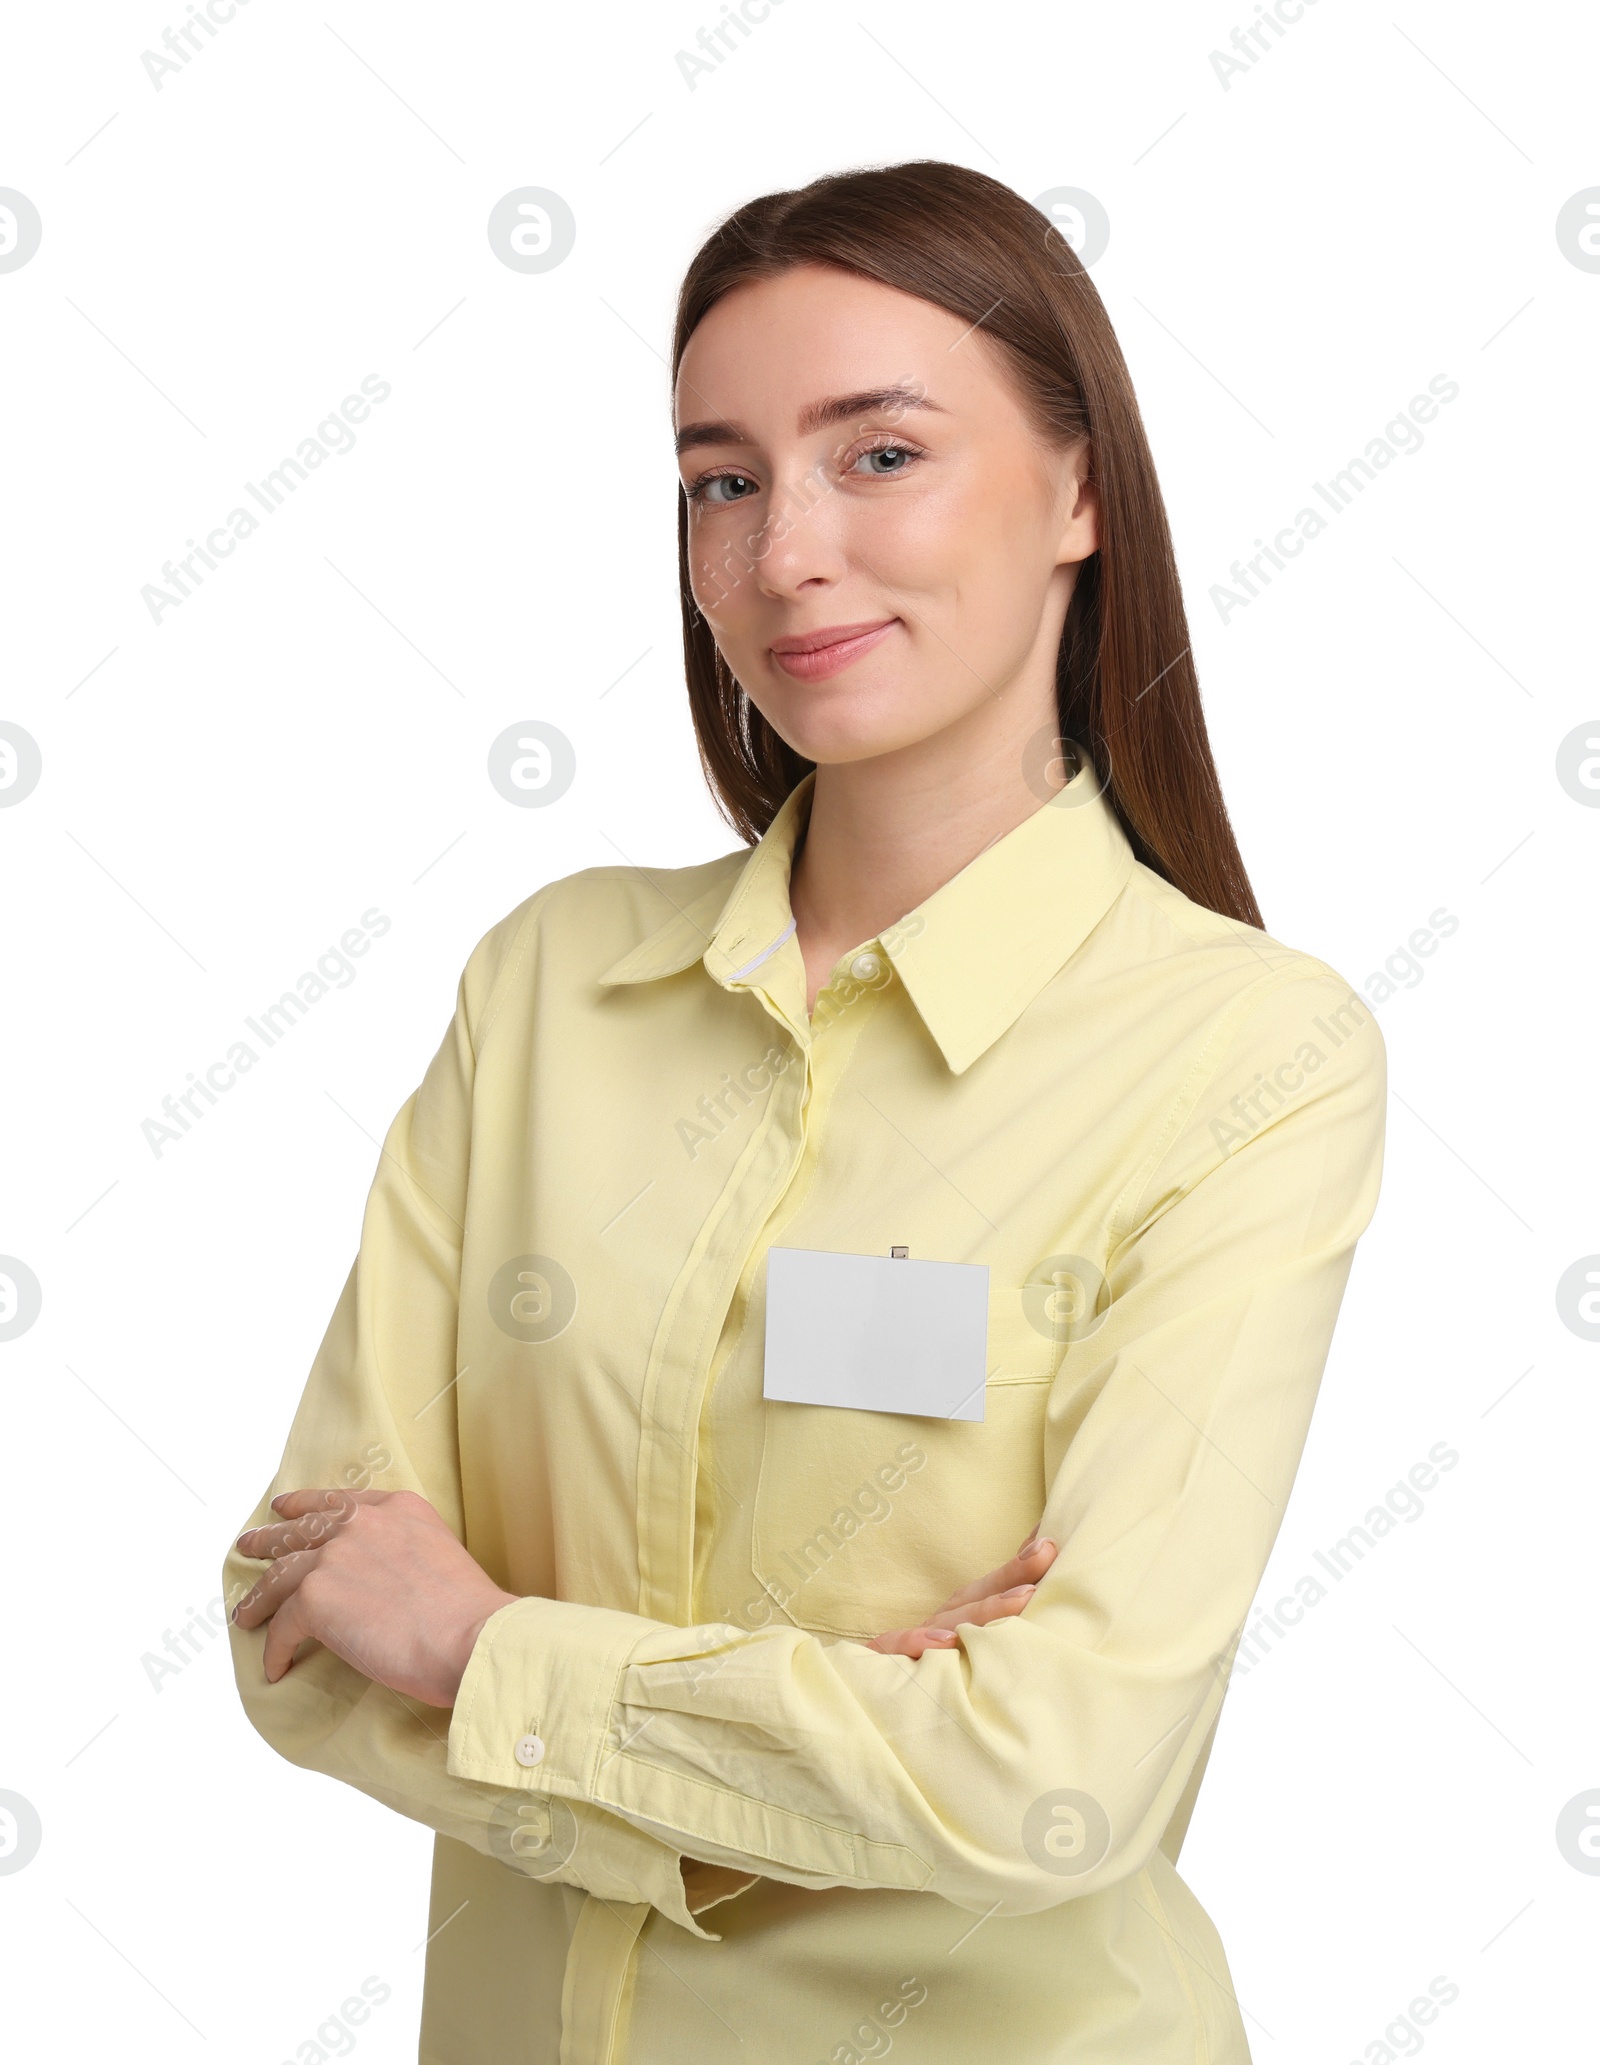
885	1334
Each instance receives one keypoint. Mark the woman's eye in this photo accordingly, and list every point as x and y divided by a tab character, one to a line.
739	486
885	459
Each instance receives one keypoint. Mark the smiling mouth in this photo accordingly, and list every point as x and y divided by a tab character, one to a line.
816	654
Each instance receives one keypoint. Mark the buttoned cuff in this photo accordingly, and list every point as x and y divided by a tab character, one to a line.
533	1714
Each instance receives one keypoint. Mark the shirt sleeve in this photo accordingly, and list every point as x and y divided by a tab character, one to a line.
378	1411
1043	1757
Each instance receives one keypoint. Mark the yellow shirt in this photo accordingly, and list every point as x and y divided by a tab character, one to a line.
1162	1132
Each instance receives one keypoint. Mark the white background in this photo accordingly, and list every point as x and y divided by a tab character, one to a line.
1292	257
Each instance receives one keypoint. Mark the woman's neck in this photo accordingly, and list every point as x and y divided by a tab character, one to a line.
884	834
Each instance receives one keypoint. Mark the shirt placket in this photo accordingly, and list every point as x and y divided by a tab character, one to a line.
682	1353
594	2008
679	1373
676	1381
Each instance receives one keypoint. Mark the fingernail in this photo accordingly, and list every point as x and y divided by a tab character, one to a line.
944	1636
1044	1542
233	1613
1017	1591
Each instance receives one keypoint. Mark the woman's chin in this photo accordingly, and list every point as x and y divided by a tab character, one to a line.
835	749
845	733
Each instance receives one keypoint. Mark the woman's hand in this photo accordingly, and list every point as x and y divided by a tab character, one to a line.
996	1597
378	1578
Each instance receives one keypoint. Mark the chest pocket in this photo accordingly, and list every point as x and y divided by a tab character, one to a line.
868	1521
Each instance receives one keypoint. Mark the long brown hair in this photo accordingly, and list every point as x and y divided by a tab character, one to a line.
1125	675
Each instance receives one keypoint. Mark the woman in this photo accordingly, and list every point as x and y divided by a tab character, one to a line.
660	1471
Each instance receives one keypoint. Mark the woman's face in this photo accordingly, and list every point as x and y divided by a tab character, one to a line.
883	546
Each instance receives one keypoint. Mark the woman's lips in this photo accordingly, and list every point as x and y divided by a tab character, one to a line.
807	659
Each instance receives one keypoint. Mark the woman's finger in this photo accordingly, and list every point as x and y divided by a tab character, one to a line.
939	1632
305	1519
310	1518
276	1586
294	1505
285	1632
999	1596
913	1641
1029	1564
284	1536
977	1613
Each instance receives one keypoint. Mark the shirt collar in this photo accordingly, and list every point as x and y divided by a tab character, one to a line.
972	956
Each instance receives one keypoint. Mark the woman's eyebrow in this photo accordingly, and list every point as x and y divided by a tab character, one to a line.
837	408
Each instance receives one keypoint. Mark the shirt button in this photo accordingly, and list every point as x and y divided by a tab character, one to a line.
865	966
529	1750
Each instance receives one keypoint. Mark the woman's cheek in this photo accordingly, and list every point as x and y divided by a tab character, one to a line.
920	545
